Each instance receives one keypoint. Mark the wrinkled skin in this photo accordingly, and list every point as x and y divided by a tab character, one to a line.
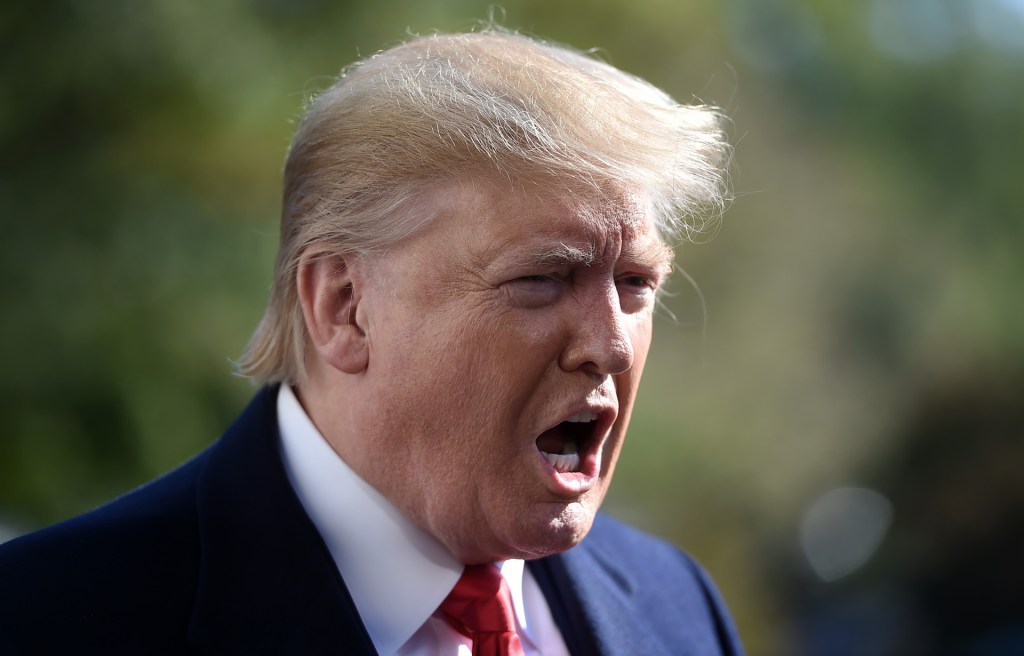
506	314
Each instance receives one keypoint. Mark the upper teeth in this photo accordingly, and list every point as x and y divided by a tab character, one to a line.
582	417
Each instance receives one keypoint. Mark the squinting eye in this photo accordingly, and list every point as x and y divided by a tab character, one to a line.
534	291
642	282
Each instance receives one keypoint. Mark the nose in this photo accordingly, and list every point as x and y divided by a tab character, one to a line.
599	341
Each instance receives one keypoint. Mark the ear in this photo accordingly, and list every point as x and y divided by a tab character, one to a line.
330	305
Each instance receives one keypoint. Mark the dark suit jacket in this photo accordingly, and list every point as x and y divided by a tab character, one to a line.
218	556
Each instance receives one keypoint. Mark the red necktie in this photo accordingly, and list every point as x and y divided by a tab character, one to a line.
480	608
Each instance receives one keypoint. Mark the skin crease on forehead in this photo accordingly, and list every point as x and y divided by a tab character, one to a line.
509	312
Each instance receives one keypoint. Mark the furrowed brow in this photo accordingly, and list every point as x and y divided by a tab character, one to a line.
565	255
657	256
665	257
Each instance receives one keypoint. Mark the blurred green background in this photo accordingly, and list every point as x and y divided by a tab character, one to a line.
837	437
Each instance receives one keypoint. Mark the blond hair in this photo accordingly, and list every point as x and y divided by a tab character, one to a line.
441	107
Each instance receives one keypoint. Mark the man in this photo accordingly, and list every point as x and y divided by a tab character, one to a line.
475	228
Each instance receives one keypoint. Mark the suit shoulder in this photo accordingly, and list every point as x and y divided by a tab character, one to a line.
639	551
125	578
137	512
609	530
108	561
657	576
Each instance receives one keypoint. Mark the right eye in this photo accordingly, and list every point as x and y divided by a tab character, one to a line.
534	291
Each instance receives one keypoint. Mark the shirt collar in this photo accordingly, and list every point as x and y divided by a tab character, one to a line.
512	571
396	572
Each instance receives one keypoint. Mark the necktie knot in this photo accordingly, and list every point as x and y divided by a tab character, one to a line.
480	608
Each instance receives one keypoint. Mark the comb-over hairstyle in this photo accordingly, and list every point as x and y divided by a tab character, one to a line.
441	108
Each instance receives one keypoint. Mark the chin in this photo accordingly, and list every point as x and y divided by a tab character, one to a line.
561	528
528	532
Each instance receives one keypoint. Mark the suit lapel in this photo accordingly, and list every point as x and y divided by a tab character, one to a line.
592	601
565	605
267	581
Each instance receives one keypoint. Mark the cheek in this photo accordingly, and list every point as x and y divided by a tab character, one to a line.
507	345
626	384
461	381
640	335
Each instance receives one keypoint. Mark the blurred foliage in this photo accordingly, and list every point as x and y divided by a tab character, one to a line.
869	266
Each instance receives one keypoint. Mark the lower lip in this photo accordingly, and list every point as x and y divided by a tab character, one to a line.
572	484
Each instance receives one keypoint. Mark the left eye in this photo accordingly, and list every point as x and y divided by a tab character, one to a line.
636	281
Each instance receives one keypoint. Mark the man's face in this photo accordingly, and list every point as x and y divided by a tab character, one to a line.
506	343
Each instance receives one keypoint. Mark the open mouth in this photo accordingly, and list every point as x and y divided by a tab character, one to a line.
563	443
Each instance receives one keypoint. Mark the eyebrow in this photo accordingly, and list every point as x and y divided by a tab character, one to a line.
565	254
657	256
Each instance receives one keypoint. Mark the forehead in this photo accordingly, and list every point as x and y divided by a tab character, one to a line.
488	219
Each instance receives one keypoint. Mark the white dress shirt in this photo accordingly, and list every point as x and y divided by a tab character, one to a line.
397	573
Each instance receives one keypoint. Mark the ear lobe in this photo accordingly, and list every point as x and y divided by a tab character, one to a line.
330	301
